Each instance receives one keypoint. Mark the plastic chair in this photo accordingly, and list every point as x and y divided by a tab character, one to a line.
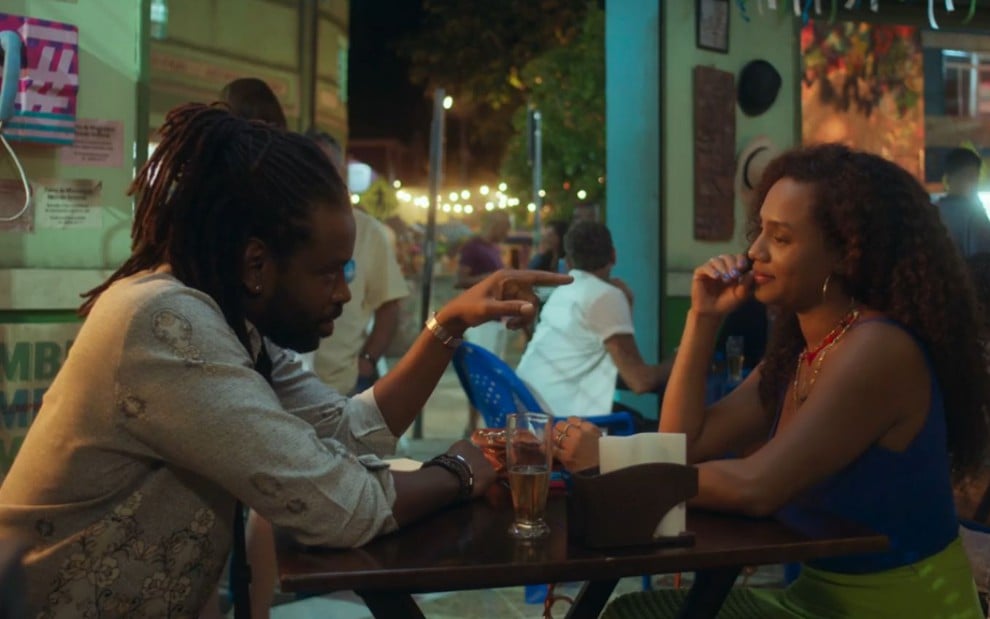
494	390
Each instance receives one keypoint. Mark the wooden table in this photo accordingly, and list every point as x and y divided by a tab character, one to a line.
468	547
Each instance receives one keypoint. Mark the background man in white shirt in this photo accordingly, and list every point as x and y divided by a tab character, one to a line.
584	338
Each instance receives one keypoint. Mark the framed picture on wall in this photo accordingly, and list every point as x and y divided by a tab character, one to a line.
713	25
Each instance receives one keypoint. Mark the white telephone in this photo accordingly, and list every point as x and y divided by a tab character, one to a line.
11	49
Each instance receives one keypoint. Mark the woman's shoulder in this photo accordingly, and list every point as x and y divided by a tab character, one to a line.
879	342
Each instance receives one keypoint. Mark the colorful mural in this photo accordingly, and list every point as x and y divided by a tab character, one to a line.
863	85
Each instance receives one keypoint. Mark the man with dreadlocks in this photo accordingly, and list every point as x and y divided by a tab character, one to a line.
178	398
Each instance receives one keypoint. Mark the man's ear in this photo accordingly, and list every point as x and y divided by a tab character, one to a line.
613	256
253	262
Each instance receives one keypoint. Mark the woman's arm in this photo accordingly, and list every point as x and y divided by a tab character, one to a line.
717	288
873	389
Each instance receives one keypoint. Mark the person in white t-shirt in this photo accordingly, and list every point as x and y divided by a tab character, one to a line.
349	363
585	338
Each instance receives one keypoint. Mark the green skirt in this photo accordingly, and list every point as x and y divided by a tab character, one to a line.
939	587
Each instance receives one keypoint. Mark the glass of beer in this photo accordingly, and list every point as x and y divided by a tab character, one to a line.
529	454
734	357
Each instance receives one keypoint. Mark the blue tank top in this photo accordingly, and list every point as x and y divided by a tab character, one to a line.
906	496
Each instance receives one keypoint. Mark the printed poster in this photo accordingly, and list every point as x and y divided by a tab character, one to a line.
69	204
48	84
30	357
99	143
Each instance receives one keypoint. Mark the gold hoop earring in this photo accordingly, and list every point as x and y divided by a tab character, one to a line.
825	288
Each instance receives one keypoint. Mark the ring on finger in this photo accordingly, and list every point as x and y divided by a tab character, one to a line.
559	439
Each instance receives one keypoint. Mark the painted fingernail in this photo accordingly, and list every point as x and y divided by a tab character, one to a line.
734	272
726	277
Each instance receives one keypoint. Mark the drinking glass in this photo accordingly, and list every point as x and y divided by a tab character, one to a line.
734	357
529	454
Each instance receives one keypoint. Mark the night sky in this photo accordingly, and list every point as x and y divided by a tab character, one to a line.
382	101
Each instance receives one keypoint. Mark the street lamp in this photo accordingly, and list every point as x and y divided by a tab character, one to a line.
441	102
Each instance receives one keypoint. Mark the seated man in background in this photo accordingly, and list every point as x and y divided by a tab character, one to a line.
584	338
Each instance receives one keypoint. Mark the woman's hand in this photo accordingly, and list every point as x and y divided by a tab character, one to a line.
484	473
503	294
576	443
721	285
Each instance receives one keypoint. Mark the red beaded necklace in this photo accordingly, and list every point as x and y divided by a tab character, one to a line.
819	352
809	355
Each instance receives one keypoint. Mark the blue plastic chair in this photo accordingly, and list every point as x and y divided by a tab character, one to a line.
494	390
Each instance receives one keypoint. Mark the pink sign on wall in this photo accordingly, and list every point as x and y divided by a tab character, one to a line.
45	107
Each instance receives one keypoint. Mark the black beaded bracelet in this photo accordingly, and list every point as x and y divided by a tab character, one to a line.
460	468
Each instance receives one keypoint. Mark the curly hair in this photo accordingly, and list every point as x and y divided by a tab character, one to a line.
898	259
213	182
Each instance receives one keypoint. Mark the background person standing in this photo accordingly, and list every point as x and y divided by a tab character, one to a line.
348	362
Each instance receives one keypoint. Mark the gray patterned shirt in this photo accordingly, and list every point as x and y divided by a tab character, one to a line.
155	426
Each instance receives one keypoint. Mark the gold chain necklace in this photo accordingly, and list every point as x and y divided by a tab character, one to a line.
818	357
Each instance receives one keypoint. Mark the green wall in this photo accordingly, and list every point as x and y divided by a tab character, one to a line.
772	36
42	272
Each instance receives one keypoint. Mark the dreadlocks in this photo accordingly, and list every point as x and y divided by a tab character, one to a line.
214	182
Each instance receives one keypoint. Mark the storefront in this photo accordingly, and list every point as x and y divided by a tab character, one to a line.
652	157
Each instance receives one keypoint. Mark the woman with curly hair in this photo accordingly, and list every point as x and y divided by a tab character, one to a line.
873	392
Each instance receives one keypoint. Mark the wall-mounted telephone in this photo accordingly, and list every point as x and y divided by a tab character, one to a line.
11	47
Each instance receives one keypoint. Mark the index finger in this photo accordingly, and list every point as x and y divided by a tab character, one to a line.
540	278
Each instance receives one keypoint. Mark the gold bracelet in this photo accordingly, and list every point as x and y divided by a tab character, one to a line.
439	332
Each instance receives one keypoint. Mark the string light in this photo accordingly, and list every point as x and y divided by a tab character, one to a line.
455	202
